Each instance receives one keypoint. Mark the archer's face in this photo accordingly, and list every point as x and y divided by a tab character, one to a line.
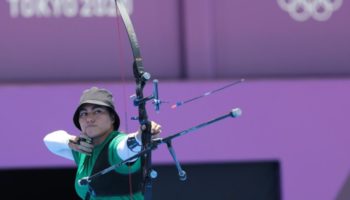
95	122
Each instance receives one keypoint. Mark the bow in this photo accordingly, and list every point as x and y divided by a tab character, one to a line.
141	77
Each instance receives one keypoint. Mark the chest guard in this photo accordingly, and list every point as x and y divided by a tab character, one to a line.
113	183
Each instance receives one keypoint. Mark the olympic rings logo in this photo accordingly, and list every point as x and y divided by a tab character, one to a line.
302	10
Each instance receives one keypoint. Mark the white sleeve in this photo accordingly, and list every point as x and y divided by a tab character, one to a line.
124	151
57	143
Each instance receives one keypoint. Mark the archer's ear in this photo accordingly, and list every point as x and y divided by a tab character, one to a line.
112	117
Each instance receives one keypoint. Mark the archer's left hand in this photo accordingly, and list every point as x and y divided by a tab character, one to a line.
155	131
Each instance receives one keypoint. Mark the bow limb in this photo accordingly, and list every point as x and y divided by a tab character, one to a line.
135	47
140	79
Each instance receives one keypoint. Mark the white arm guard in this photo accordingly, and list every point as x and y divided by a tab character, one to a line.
125	150
57	143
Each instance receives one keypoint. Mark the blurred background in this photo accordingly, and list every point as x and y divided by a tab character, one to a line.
291	142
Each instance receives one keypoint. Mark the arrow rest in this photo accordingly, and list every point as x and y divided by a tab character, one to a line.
155	97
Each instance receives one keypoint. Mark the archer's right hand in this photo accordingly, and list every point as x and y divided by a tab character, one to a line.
82	144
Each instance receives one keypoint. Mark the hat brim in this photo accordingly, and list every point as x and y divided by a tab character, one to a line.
96	102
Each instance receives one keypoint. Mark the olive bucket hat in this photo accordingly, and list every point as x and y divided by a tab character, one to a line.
100	97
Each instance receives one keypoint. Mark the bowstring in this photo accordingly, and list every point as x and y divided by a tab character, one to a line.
121	63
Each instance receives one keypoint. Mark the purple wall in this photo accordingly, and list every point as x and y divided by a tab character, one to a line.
302	123
46	48
218	39
238	38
